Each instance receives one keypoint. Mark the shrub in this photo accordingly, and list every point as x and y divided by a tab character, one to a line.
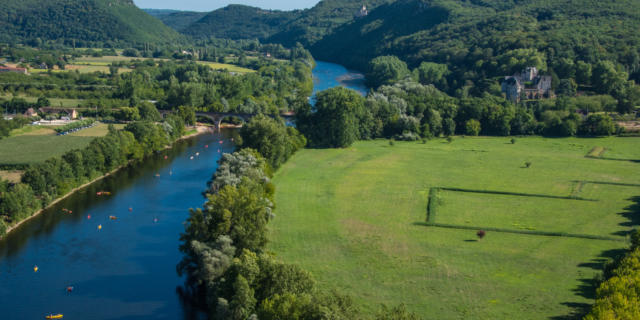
391	142
481	234
407	136
3	228
528	164
472	127
513	140
449	139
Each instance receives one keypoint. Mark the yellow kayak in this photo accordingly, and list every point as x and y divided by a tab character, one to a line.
54	316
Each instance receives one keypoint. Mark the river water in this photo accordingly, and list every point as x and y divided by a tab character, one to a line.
125	270
328	75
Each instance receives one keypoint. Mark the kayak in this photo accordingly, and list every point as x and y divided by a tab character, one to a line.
54	316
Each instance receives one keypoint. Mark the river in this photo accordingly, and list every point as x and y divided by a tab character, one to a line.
328	75
125	270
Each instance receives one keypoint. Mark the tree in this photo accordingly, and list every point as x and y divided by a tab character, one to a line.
472	127
336	122
433	73
386	70
149	112
598	125
272	139
607	79
567	87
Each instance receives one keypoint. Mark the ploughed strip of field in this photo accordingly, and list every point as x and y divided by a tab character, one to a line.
357	219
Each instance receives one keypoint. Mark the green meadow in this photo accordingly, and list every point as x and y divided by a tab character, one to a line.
28	149
357	219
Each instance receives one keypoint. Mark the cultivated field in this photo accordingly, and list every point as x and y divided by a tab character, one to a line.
357	219
104	62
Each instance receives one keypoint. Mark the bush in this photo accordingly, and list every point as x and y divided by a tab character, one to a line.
407	136
481	234
513	140
472	127
3	228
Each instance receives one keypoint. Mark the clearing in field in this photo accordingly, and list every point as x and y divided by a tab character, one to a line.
357	219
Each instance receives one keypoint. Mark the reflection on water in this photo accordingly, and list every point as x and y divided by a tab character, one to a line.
126	269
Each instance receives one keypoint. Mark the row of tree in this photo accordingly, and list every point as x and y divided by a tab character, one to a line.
618	297
408	110
44	182
603	77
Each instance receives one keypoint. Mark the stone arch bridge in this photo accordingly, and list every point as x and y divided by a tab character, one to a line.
217	117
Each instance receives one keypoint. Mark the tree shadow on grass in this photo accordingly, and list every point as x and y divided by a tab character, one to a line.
587	287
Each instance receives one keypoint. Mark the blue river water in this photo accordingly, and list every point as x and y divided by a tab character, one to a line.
328	75
126	270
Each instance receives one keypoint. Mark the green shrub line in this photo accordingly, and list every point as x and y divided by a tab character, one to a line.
75	126
611	183
529	232
16	166
432	204
506	193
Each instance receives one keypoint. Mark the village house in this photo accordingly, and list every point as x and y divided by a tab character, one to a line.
363	12
30	113
70	113
16	70
528	85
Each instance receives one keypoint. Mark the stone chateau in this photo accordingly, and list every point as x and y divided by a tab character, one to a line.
528	85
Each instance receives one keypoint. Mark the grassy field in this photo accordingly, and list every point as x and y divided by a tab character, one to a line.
26	149
99	130
32	144
34	131
356	217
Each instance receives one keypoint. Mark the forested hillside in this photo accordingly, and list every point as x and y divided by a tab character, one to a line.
80	21
176	19
315	23
480	39
285	27
240	22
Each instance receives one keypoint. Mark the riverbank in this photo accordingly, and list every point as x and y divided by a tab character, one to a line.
198	131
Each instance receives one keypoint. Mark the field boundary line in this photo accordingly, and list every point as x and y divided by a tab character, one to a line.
506	193
528	232
432	204
621	184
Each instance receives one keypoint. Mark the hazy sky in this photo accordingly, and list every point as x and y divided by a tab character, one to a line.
208	5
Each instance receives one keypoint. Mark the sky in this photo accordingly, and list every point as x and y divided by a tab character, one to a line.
209	5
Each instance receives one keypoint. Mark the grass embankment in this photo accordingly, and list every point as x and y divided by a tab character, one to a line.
355	218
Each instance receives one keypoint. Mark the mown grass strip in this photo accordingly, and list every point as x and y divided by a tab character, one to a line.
506	193
611	183
528	232
432	205
596	152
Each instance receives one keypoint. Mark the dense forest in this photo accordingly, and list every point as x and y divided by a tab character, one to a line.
176	19
483	39
240	22
81	23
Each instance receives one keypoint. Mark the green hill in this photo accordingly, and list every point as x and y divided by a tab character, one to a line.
315	23
240	22
82	21
176	19
483	38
